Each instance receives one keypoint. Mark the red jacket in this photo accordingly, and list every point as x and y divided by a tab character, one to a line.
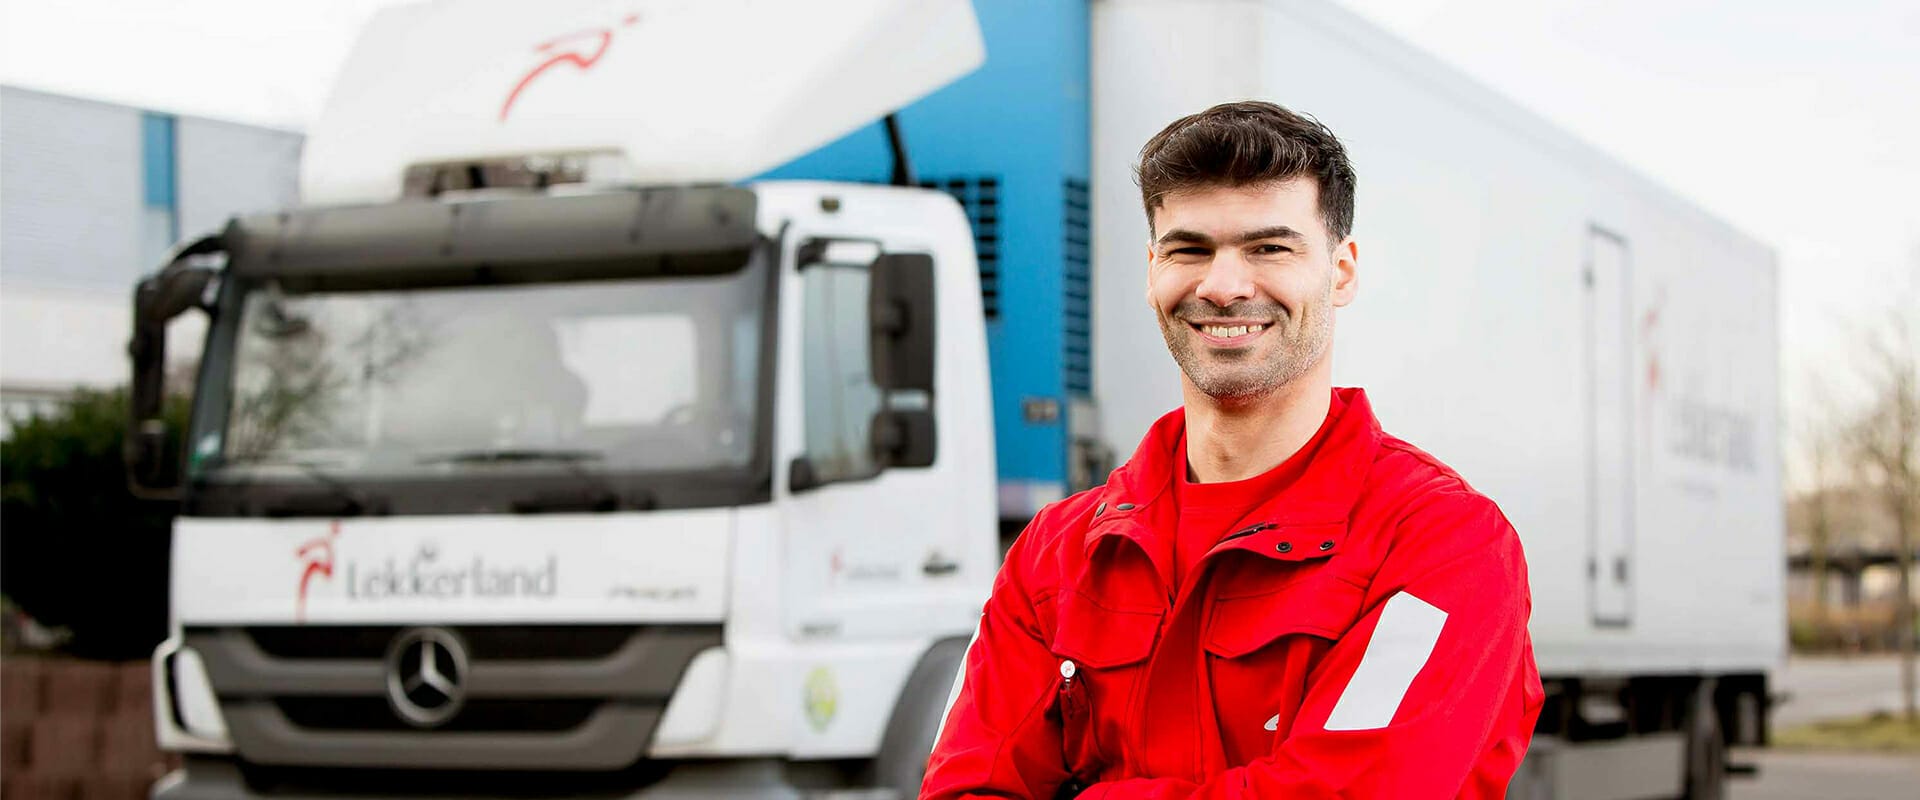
1361	634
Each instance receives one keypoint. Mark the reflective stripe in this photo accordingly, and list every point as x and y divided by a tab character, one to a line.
1409	627
959	680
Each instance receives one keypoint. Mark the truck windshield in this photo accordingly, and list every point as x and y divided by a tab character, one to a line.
643	374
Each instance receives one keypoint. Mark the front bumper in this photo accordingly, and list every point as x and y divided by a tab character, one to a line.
220	778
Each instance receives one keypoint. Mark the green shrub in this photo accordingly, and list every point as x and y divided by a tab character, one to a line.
77	549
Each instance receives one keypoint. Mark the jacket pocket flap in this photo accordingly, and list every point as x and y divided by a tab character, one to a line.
1096	636
1323	606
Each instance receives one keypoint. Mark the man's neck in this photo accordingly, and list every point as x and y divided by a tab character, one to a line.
1236	440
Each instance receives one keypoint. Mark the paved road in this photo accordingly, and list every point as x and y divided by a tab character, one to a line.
1827	776
1826	687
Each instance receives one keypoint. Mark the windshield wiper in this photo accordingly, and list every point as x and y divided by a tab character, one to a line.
340	499
594	493
512	456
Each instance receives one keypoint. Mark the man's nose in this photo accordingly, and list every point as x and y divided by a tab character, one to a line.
1229	280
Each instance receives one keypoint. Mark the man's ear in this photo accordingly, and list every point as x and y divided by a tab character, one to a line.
1346	272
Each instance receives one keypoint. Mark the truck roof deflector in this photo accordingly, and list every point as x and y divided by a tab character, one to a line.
679	91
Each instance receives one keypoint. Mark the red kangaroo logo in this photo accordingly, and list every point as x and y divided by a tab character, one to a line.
317	557
601	38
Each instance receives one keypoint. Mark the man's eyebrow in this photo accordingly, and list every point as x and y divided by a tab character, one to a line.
1184	235
1272	232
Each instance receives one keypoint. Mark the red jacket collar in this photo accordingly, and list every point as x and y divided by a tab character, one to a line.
1316	505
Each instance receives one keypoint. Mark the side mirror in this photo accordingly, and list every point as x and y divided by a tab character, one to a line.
151	464
801	475
900	306
903	438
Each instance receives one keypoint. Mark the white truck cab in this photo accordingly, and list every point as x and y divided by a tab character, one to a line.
581	464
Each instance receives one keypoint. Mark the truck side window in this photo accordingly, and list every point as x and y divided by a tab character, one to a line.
840	397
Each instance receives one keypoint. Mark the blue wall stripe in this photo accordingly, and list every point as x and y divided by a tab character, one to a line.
159	157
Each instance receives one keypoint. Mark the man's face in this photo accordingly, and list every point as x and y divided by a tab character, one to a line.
1244	281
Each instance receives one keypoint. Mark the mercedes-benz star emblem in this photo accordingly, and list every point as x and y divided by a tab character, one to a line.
426	676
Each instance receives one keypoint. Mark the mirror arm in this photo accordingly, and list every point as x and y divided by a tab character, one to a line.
157	299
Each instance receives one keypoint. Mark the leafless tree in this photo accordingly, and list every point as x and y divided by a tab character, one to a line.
1821	446
1884	441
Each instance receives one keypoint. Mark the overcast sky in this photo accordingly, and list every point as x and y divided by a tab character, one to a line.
1795	121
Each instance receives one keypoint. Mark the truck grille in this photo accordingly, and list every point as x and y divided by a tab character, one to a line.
491	642
566	697
376	714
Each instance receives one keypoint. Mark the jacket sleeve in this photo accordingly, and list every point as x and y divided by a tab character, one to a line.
999	738
1432	694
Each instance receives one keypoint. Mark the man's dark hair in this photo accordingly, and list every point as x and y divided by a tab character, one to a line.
1244	144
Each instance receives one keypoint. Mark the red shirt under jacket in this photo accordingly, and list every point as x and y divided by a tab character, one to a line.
1361	633
1209	511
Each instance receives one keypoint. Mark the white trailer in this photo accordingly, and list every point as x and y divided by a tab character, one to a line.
1594	353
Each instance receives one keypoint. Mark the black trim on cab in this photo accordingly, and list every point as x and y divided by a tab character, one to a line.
504	492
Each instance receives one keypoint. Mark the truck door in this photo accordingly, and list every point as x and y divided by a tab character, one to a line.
868	543
1610	519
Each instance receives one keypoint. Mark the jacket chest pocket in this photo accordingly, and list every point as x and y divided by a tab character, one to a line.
1262	650
1102	653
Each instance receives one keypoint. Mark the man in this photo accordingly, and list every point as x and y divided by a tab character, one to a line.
1272	598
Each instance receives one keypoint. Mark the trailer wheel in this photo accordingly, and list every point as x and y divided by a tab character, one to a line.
1706	748
902	762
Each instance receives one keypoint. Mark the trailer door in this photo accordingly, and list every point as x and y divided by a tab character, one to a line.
1609	301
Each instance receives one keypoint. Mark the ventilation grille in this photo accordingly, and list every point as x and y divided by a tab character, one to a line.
1078	282
980	196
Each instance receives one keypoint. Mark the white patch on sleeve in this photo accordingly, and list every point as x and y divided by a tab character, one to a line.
1401	644
959	680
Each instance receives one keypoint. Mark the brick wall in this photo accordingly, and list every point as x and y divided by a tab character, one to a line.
77	730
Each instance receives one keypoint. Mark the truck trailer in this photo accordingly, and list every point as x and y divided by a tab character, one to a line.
642	395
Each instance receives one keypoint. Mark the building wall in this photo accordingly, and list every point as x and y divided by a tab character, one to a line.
70	193
92	196
227	169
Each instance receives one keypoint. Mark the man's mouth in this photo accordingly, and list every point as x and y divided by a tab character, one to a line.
1229	334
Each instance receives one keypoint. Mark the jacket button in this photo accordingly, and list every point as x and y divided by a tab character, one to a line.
1101	509
1125	507
1284	547
1327	545
1066	669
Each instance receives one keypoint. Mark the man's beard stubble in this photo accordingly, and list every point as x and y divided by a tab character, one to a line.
1233	376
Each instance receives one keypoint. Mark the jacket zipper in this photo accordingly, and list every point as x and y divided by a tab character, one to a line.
1244	532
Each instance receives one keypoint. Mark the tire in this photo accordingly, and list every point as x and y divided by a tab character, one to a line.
902	762
1706	749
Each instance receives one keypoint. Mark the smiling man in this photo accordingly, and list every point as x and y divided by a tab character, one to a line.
1273	597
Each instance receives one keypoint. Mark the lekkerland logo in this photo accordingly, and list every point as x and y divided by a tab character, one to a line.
316	560
580	50
425	576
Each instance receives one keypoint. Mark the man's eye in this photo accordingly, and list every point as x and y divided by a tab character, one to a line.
1189	251
1272	249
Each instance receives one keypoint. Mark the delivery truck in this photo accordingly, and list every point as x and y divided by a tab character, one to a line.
641	397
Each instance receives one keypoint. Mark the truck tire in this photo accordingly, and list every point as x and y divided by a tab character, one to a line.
902	761
1706	748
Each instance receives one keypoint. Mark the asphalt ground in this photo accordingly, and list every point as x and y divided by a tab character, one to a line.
1829	687
1826	776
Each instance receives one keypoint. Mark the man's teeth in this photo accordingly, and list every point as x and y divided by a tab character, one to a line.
1230	331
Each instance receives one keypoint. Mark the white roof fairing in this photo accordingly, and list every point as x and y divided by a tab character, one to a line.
682	91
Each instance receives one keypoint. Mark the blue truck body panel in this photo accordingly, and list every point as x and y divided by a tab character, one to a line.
1011	141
